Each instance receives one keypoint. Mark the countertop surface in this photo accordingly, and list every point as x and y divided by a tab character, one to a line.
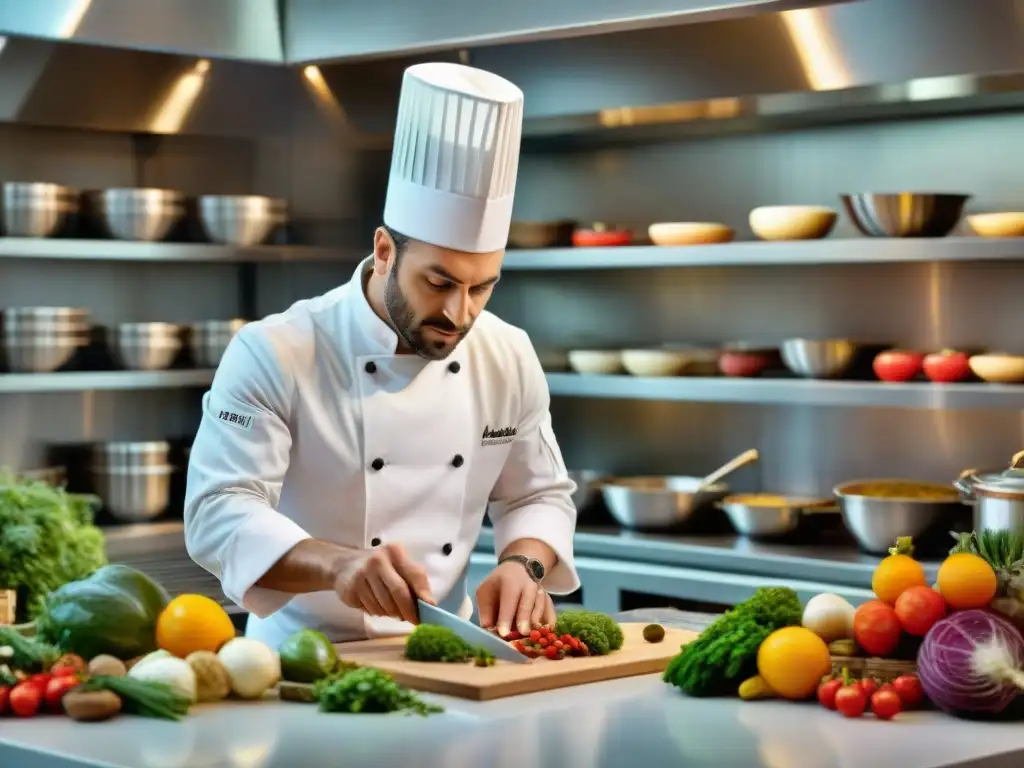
609	724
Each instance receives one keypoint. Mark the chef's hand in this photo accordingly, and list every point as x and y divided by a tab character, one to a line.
509	596
385	583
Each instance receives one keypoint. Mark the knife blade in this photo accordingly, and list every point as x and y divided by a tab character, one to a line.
471	633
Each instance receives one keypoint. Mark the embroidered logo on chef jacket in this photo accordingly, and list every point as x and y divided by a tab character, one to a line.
498	436
236	420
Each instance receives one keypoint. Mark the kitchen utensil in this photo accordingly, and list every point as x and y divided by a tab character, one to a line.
588	487
541	234
36	209
904	214
243	220
209	340
134	495
998	368
766	515
747	457
997	496
139	213
877	520
131	454
41	354
655	362
146	346
701	361
475	636
466	681
1007	224
690	233
746	363
35	322
596	361
792	222
601	236
818	358
658	502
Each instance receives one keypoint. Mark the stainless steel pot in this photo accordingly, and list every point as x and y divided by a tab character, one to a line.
997	497
658	502
877	521
131	454
754	516
134	495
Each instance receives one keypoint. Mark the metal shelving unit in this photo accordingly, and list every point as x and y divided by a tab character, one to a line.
121	250
35	383
757	253
723	389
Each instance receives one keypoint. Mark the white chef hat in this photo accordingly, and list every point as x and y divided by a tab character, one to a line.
455	157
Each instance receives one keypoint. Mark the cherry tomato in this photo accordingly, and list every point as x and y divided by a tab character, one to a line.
897	365
908	687
5	694
869	686
56	688
918	608
886	704
876	628
851	700
25	699
947	366
827	693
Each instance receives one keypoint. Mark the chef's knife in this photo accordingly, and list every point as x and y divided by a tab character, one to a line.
471	633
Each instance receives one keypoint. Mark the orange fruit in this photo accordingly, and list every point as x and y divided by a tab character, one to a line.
967	581
193	623
894	575
792	660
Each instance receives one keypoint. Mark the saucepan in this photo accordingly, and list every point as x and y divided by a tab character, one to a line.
997	497
767	515
667	501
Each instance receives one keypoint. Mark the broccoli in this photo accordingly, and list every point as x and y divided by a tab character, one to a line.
598	631
725	654
429	642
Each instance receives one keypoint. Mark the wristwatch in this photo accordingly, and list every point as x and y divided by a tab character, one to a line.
534	567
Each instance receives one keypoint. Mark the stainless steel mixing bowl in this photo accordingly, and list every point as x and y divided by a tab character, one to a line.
658	502
209	340
139	214
818	358
36	209
243	220
904	214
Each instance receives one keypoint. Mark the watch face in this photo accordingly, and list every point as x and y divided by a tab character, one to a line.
536	568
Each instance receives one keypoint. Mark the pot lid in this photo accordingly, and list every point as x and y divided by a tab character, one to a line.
1007	481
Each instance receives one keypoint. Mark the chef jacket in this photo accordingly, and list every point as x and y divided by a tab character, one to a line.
315	427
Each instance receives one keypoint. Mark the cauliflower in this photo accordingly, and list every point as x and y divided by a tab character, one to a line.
432	643
598	631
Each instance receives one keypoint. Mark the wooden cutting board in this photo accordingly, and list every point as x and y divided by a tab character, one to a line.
505	678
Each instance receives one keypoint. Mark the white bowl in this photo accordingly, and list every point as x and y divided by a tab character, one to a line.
792	222
595	361
998	368
690	233
1007	224
655	362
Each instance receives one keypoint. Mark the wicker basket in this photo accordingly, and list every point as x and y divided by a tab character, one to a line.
873	667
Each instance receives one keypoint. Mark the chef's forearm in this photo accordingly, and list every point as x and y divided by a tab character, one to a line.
534	548
310	566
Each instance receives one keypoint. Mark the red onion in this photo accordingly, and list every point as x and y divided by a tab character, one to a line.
970	663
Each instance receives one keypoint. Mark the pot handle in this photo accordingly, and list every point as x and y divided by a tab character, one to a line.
1017	462
965	484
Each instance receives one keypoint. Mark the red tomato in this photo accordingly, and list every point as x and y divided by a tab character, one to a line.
908	687
851	700
897	365
886	704
876	628
5	693
25	699
869	686
918	608
56	688
743	364
597	238
827	693
947	366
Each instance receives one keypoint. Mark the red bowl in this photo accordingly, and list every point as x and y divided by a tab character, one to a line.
593	238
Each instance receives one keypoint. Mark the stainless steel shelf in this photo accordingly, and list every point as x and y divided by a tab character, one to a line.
121	250
102	380
756	253
918	395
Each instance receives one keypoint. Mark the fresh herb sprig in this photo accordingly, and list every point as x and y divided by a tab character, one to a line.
368	690
142	697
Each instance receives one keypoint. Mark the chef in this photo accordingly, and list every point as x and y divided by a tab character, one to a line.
350	446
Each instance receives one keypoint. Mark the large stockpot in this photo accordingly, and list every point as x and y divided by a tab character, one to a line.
997	497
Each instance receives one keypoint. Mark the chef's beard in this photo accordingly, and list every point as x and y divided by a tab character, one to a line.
410	329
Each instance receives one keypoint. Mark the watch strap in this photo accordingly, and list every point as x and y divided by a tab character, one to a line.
528	563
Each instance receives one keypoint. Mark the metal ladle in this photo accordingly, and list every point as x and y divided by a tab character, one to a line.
747	457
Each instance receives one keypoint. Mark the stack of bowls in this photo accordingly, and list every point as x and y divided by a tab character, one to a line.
139	214
36	209
133	479
210	338
243	220
146	346
42	339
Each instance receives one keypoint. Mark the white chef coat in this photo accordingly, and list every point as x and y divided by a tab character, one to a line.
314	427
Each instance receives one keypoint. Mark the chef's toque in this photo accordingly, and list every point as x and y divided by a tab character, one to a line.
455	157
